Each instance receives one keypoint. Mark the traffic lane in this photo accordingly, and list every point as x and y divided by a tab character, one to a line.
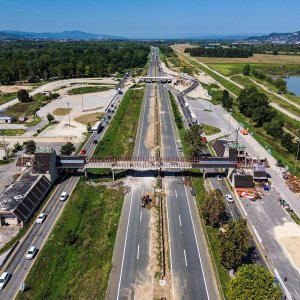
19	266
184	248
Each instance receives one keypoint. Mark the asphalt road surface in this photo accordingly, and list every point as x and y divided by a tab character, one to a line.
185	258
37	235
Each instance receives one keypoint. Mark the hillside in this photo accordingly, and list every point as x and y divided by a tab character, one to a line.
277	38
64	35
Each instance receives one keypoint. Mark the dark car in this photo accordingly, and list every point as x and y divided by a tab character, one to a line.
95	142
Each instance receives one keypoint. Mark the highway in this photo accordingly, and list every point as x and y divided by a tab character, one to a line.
187	272
132	248
37	235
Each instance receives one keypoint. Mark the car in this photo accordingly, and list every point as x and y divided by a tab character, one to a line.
180	149
108	117
229	198
112	105
41	218
82	151
112	110
31	252
219	177
63	196
4	278
95	141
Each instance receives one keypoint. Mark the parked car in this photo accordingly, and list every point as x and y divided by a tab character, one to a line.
219	177
31	252
4	278
229	198
41	218
63	196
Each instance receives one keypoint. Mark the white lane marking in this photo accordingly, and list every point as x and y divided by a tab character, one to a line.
138	252
170	246
175	191
196	241
124	246
169	146
179	220
141	215
185	257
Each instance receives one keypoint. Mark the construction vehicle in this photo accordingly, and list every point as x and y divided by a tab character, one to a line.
146	200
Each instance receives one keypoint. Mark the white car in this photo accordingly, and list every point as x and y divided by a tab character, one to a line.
219	177
4	278
31	252
63	196
41	218
229	198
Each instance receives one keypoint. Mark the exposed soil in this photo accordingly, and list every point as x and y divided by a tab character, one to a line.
149	142
288	237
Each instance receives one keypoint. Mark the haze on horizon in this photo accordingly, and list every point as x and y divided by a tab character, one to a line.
155	19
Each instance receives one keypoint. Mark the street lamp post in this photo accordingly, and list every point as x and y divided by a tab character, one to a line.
68	112
296	158
82	102
229	122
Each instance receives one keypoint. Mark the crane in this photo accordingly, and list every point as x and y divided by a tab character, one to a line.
182	65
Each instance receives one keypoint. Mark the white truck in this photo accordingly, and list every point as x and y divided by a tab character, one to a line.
194	119
97	126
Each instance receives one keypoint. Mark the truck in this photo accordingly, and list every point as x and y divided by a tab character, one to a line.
97	126
146	200
194	119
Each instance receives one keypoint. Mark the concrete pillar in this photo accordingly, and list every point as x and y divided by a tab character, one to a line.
113	174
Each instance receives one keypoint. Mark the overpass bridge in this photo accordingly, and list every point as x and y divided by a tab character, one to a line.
156	79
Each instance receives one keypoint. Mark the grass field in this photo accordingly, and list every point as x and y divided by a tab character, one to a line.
7	97
210	130
12	132
76	260
120	136
61	111
89	118
88	89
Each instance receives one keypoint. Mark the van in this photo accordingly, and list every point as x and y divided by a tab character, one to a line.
63	196
4	278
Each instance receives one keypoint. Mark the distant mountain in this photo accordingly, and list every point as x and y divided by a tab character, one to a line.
8	36
276	38
64	35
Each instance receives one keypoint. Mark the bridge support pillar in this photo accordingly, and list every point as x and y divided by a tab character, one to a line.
113	174
85	173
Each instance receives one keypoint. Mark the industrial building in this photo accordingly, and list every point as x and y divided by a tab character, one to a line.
20	200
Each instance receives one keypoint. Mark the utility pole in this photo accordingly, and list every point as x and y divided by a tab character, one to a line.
68	112
229	122
296	158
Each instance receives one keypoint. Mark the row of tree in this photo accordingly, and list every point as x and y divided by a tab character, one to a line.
250	281
43	60
278	82
219	52
255	105
30	147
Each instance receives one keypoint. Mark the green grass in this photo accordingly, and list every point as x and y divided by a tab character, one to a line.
210	130
5	162
12	132
7	97
88	89
120	136
76	260
228	69
87	136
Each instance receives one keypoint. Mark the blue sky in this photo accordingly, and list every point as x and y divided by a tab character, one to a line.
153	18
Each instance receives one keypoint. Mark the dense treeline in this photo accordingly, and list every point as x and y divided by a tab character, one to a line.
43	60
219	52
255	105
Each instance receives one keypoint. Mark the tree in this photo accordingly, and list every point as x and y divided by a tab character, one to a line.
213	208
275	52
247	70
89	127
30	147
253	282
226	100
17	147
23	96
287	142
50	118
275	128
234	244
67	148
192	138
